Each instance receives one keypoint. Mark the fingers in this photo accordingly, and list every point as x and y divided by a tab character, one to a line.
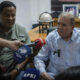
19	43
14	45
46	76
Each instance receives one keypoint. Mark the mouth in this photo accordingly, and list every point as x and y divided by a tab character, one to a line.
10	23
60	31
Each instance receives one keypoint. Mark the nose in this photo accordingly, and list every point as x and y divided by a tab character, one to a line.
10	17
60	26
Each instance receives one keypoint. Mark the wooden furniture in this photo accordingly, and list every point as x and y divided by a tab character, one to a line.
77	22
34	34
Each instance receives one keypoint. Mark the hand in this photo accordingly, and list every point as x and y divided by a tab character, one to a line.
14	45
46	76
2	68
14	72
21	65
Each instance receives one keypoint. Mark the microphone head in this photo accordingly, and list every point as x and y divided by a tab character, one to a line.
22	53
40	42
31	74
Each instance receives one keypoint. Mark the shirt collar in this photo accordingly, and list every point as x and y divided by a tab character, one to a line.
58	36
74	34
11	30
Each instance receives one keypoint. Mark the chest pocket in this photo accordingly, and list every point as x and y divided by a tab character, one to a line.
57	62
20	37
57	56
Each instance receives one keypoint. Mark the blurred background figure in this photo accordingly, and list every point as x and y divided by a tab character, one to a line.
72	73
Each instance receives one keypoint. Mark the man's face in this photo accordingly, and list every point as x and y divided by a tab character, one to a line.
64	27
7	17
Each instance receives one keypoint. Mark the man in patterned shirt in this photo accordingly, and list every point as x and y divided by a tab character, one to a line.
13	36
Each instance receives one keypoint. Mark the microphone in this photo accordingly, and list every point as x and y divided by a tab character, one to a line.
25	51
31	74
38	43
22	53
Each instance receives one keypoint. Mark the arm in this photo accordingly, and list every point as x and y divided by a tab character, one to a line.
40	58
14	72
46	76
3	42
14	45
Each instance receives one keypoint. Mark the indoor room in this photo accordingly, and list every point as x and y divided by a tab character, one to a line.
39	39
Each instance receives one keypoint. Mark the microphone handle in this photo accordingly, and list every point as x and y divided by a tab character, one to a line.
31	45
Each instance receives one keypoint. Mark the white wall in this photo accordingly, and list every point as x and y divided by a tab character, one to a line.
28	11
39	6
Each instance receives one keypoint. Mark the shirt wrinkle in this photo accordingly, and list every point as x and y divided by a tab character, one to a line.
69	52
6	54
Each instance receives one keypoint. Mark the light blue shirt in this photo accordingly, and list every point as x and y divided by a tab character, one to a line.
69	53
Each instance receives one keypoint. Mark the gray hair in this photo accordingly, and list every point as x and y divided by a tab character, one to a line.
69	15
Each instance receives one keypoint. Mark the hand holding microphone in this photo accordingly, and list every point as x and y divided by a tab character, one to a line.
38	43
22	53
25	51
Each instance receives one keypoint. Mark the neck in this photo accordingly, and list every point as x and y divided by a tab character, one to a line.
67	38
3	28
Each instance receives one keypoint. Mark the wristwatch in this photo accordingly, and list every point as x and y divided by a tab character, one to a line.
18	69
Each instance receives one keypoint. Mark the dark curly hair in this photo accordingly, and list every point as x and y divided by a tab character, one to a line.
6	4
72	73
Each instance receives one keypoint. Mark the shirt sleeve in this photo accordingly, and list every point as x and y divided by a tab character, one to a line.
27	37
41	57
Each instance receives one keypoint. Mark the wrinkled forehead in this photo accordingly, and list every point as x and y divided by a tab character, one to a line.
7	10
64	19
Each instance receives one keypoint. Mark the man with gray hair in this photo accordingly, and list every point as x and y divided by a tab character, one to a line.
62	48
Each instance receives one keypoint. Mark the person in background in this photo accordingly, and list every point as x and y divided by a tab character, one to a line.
62	48
12	36
72	73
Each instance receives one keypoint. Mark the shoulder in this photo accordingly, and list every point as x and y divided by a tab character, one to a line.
76	34
52	37
53	34
20	29
19	26
76	31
